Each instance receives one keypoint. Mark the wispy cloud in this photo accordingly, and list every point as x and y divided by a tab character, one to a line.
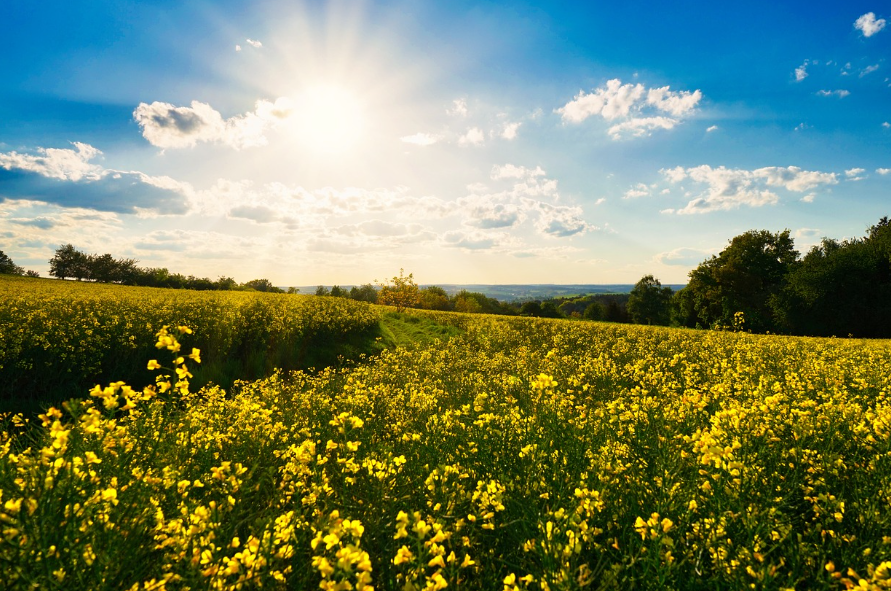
801	72
838	93
421	139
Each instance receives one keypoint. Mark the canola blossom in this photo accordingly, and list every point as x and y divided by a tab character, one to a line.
59	337
524	454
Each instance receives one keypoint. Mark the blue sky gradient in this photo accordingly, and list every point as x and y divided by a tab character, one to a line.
468	142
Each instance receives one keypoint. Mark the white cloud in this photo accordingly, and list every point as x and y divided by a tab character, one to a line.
474	136
732	188
869	25
167	126
638	190
807	232
636	109
471	240
560	221
711	129
510	130
683	257
421	139
640	126
510	171
237	47
801	72
67	177
855	174
883	171
886	125
458	109
869	70
809	198
253	43
792	178
673	103
839	93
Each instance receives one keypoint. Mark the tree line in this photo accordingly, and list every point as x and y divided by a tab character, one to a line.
70	263
758	282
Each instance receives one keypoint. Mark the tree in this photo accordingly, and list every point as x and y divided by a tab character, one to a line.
68	262
434	298
322	291
841	288
263	285
649	302
531	308
31	273
7	267
339	292
594	311
401	292
364	293
746	276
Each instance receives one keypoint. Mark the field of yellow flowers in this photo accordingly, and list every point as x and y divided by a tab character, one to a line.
523	454
61	337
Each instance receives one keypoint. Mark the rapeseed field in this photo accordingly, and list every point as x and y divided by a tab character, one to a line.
523	454
58	337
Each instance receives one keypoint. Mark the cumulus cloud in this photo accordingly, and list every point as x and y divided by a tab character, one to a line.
728	189
421	139
886	125
67	177
838	93
237	47
560	221
638	190
474	136
869	25
711	129
883	171
167	126
254	43
641	126
869	70
510	130
636	109
809	198
510	171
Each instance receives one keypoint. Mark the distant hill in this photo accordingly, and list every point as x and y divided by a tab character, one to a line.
521	291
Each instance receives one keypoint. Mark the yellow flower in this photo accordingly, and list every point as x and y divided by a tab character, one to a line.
153	364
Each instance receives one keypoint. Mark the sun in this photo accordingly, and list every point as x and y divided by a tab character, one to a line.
330	119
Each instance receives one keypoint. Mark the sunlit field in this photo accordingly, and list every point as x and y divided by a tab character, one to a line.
520	454
60	337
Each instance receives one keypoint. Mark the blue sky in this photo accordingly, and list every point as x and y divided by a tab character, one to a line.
466	142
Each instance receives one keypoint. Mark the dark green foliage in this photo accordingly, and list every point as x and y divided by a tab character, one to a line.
263	285
745	277
841	288
7	267
364	293
649	302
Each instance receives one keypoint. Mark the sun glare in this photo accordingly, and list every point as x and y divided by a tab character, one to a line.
330	119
